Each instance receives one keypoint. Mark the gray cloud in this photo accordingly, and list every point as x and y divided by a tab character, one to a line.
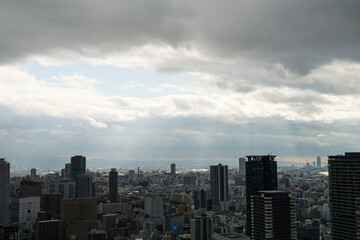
301	35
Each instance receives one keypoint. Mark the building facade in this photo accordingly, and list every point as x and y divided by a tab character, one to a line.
219	183
4	191
113	185
273	216
261	175
344	195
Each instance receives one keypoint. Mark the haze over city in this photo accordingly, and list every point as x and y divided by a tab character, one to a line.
178	80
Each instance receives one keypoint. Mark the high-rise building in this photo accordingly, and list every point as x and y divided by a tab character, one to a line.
30	189
261	175
76	212
242	166
67	170
28	211
273	216
173	168
113	185
200	228
78	166
344	195
84	186
318	161
48	230
219	183
4	191
154	206
309	231
33	174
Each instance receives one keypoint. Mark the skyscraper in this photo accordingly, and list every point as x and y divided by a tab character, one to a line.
113	185
173	168
318	160
344	194
273	216
33	174
200	228
84	186
4	191
68	170
78	166
242	166
219	183
261	175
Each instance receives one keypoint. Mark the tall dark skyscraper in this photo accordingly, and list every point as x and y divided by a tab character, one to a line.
273	216
78	166
261	175
113	185
219	183
318	161
68	170
84	186
4	191
173	169
344	193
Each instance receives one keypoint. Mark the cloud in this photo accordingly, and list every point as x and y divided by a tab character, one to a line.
300	35
76	97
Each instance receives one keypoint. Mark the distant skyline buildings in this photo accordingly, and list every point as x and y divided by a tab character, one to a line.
173	169
242	166
318	161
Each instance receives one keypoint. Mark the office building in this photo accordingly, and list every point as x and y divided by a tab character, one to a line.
189	180
200	228
261	175
78	166
30	189
219	183
154	206
318	161
308	231
84	186
242	166
273	216
344	195
67	170
173	168
48	230
4	191
108	222
28	211
113	185
79	210
33	174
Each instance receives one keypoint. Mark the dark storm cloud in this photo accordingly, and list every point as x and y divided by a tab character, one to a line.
301	35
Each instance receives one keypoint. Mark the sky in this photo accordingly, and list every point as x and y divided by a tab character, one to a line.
166	80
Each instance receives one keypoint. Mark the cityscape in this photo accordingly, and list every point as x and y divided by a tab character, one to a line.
256	200
171	120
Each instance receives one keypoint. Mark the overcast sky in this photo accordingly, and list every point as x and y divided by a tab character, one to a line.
178	80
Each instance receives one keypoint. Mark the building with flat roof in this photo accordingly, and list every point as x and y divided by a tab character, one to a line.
273	216
4	191
219	183
261	175
344	195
